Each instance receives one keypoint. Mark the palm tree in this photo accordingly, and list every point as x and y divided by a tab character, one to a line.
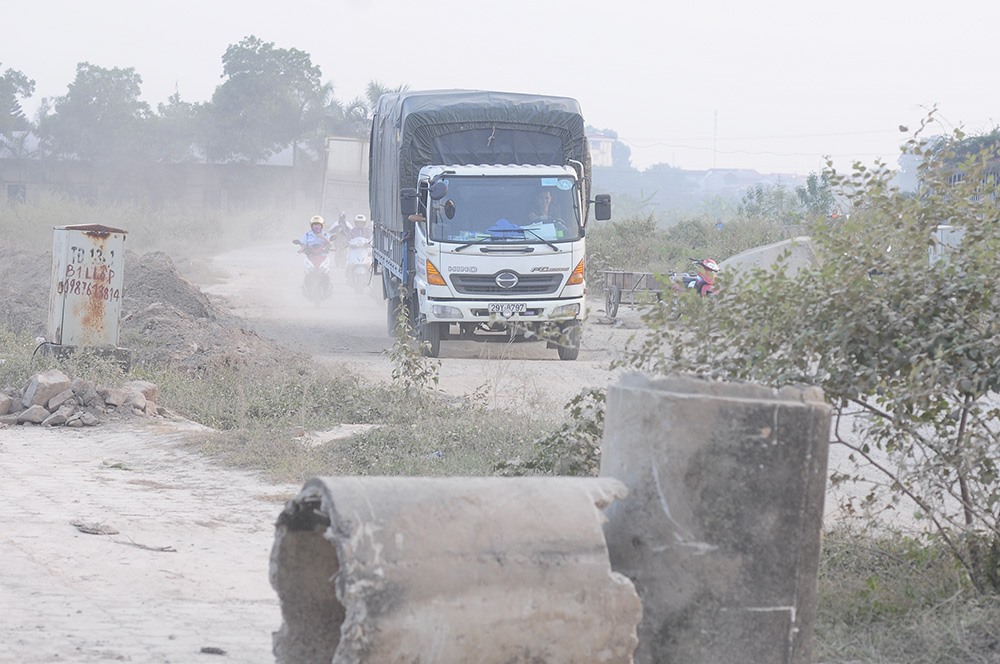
376	89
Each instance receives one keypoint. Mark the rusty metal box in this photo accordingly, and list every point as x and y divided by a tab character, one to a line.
87	285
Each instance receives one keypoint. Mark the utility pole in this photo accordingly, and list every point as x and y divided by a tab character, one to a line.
715	136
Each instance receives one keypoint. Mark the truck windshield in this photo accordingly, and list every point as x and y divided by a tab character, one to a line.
506	209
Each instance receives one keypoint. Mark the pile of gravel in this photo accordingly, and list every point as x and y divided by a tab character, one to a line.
52	398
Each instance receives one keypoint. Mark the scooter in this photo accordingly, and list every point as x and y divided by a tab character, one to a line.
316	283
359	263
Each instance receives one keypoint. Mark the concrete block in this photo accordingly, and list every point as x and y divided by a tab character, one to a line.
450	570
721	529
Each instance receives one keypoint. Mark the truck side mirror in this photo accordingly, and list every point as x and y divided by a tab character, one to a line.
602	207
439	190
408	201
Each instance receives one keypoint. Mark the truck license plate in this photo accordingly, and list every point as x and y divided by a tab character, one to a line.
507	308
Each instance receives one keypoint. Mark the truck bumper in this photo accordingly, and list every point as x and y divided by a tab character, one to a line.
479	311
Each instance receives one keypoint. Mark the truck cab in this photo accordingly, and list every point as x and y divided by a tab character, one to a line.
500	250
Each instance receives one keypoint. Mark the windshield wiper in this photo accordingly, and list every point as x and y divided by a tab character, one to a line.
528	230
469	244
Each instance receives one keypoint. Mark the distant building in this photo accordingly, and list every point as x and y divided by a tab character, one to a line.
738	180
600	149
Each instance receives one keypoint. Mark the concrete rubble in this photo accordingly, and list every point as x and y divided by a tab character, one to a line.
450	570
51	398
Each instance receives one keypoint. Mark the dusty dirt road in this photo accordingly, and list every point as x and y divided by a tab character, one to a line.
263	287
183	566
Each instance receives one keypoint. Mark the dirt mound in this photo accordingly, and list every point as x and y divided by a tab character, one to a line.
165	319
24	290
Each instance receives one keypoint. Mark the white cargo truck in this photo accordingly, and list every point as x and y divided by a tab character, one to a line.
480	203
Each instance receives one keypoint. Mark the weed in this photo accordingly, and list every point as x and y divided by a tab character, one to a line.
575	449
411	368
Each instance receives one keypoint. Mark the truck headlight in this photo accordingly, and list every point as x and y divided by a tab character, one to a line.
566	311
441	311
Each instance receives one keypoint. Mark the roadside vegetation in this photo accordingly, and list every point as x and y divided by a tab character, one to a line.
903	348
909	349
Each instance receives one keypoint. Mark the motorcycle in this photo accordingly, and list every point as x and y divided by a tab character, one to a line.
359	263
316	283
702	281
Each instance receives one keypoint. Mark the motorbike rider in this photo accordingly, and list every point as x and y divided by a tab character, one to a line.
704	281
359	253
358	229
316	240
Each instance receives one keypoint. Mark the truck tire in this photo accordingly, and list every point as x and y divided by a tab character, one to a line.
430	338
569	342
390	293
612	300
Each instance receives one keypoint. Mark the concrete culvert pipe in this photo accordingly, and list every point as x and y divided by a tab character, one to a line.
721	527
440	570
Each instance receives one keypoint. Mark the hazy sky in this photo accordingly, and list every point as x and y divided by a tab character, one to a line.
772	85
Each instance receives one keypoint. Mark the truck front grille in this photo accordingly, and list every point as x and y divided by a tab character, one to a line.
527	284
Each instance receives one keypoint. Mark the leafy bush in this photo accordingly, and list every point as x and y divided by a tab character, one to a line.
906	349
575	449
637	244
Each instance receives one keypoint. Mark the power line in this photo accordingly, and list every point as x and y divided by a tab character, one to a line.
634	141
758	152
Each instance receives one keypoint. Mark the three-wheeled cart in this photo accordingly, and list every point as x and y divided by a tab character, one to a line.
630	288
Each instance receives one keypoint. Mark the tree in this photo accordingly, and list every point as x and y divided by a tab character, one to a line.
769	202
14	86
100	118
909	351
266	102
376	89
175	131
816	195
357	118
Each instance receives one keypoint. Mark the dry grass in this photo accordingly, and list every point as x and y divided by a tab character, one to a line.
893	599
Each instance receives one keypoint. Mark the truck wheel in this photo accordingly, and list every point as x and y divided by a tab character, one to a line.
430	338
390	291
613	299
569	343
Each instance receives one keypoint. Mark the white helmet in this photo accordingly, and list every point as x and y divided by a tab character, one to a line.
316	219
360	220
709	264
